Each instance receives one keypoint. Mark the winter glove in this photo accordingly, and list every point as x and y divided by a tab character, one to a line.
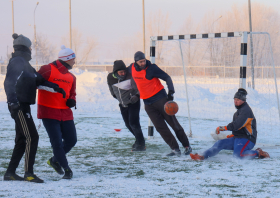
115	96
170	96
60	90
14	109
230	136
134	99
70	103
221	128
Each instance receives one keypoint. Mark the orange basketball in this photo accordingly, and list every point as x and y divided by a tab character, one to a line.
171	107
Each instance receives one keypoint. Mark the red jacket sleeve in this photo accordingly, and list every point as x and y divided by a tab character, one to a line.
73	89
45	71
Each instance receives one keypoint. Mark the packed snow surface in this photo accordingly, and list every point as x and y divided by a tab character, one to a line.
104	165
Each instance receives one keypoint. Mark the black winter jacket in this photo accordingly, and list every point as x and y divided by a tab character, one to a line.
22	79
244	124
122	90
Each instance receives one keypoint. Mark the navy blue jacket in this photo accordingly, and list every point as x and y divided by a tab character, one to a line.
22	79
153	71
244	124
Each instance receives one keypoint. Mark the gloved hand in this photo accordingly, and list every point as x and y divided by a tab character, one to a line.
115	96
14	108
71	103
134	99
221	128
230	136
170	96
60	90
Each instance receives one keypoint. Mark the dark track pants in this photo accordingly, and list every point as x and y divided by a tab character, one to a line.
158	116
131	118
26	141
63	138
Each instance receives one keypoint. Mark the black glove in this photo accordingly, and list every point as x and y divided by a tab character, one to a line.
115	96
60	90
170	96
134	99
71	103
14	108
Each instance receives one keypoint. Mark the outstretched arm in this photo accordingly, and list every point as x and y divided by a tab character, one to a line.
156	72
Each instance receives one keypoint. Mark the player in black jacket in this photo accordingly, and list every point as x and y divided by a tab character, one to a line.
244	133
123	89
20	86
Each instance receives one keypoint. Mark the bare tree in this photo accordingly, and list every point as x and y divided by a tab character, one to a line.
46	51
158	24
85	49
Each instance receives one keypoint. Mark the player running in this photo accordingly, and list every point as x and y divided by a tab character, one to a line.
146	76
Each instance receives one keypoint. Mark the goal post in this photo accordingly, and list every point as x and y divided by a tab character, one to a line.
243	58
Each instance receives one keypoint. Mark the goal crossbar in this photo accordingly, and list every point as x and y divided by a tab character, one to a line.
243	55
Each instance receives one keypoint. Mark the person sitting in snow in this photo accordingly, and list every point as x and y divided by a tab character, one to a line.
244	133
121	88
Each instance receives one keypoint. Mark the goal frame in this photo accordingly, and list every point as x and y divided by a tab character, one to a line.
243	59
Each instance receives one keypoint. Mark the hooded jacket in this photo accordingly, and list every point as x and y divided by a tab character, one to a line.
244	124
124	89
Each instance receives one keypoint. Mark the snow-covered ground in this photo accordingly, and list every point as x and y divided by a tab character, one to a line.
104	166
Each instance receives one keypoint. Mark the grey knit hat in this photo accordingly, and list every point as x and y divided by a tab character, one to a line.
241	94
21	40
139	56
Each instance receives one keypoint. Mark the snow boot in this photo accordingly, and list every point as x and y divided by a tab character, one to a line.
188	150
68	174
56	166
197	157
139	148
12	177
262	154
174	152
30	177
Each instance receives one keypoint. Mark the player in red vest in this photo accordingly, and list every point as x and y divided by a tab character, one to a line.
146	76
55	112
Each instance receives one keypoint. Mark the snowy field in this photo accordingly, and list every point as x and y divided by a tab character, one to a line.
104	166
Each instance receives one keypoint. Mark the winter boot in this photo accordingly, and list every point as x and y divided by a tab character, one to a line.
30	177
188	150
68	174
56	166
197	157
175	152
139	148
12	177
262	154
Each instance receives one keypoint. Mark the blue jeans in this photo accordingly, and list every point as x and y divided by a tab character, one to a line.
241	148
63	138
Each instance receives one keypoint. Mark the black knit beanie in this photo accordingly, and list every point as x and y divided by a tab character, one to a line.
139	56
241	94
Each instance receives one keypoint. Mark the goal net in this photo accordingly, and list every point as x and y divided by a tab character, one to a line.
216	65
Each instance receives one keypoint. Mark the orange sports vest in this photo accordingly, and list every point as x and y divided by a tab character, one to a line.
147	88
56	100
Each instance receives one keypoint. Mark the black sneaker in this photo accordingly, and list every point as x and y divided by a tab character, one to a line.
174	152
12	177
56	166
188	150
134	145
139	148
68	174
32	178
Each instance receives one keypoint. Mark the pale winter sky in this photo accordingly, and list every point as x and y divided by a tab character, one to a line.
107	20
